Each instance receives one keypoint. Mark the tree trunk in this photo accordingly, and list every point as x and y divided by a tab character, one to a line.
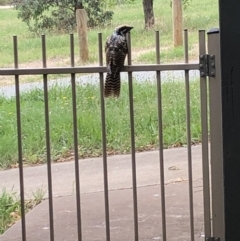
177	22
148	13
82	18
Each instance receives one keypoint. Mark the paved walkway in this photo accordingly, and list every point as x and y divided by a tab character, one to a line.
6	7
121	205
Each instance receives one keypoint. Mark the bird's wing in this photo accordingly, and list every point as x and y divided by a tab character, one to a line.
122	45
107	44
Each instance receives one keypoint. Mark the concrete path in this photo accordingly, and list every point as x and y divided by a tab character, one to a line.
6	7
119	172
121	204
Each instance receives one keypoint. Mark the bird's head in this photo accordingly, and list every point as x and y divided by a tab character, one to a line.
123	29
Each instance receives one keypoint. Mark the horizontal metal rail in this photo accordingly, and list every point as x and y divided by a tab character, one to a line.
97	69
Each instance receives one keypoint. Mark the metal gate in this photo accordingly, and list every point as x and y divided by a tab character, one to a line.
210	80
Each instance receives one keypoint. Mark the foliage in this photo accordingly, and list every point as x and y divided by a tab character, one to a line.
10	207
53	15
186	3
97	16
110	3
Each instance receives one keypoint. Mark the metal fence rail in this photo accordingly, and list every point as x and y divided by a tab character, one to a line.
75	128
205	152
104	142
19	134
160	136
158	67
189	139
97	69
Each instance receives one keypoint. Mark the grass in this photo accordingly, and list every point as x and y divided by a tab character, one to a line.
89	121
199	15
150	56
10	207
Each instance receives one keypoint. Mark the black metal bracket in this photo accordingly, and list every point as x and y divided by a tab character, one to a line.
207	66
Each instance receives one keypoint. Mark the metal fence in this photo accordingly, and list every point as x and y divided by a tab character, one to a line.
213	226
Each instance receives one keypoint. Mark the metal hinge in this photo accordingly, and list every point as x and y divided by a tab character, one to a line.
212	239
207	65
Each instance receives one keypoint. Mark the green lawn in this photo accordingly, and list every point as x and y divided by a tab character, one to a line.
10	207
199	15
89	122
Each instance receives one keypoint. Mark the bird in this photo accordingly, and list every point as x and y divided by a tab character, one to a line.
116	50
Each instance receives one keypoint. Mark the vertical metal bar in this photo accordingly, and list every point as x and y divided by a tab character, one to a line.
216	148
204	132
19	133
48	147
160	136
134	174
189	148
75	136
104	140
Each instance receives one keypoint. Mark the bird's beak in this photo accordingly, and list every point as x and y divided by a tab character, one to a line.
130	28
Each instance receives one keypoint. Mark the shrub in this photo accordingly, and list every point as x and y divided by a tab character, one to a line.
53	15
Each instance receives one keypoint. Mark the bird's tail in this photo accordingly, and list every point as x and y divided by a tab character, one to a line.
112	85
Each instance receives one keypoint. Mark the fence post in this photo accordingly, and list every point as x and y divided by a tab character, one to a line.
230	62
216	147
81	19
177	22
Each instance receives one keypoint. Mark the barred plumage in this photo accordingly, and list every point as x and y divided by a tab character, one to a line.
116	50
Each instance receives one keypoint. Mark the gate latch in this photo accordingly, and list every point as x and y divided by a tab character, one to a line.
212	239
207	66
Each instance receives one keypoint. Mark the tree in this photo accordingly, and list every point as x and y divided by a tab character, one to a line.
56	15
148	14
186	3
